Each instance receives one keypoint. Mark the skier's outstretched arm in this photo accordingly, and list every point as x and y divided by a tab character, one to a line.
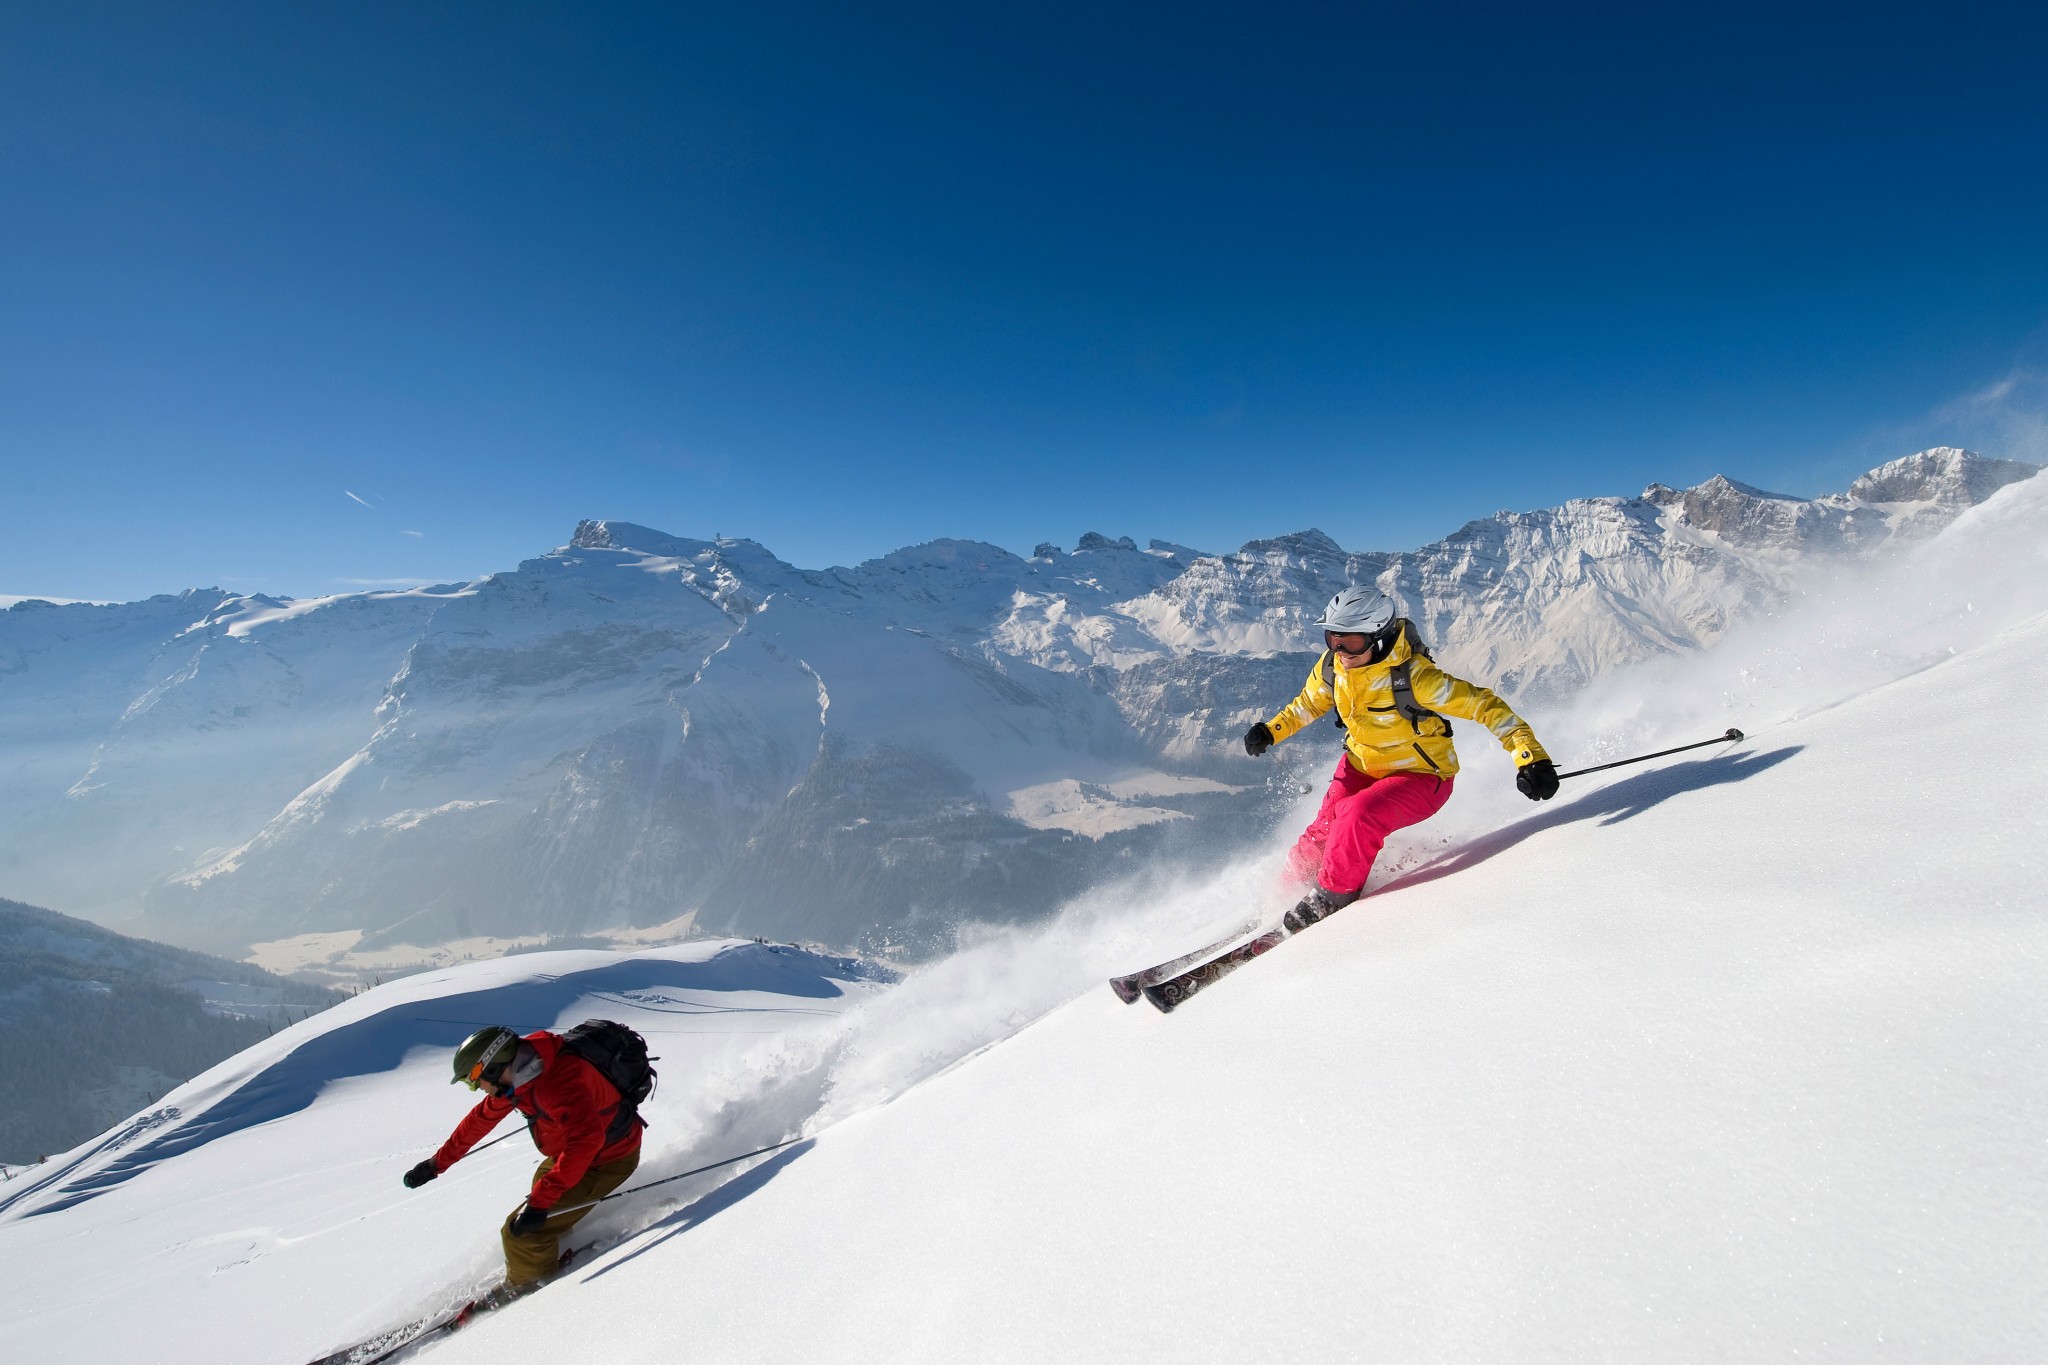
1453	696
1315	700
476	1125
1535	774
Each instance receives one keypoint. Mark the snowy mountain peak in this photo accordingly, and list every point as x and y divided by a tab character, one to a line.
944	553
1719	489
1722	486
1945	475
1168	548
1757	520
1309	544
593	535
1102	548
625	535
1095	540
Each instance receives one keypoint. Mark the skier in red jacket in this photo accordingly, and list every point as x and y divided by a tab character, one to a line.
589	1143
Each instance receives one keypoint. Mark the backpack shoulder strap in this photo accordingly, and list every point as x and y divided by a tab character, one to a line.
1404	694
1327	670
1411	710
1403	626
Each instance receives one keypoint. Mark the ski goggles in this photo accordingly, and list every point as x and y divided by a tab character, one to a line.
486	1073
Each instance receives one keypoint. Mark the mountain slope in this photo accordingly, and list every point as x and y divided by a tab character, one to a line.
93	1024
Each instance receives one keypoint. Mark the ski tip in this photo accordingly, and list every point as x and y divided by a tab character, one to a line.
1161	1001
1733	733
1126	989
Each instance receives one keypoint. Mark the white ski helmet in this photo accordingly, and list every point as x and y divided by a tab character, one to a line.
1358	610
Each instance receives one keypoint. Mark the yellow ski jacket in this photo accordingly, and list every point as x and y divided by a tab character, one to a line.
1379	737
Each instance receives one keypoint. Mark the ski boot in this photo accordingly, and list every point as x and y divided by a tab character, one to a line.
1318	904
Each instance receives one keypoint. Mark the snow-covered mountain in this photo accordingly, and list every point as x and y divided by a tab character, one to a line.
640	727
1734	1056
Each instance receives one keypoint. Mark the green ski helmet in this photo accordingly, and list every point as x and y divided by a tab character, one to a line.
485	1054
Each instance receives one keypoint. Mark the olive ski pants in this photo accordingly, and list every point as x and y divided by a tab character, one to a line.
1337	849
535	1255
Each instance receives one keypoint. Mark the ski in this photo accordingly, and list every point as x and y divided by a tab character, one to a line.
1129	988
1168	994
390	1344
386	1344
396	1341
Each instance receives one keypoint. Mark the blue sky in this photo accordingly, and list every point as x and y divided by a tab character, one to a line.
842	278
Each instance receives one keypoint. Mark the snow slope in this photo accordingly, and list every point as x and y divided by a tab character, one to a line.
1744	1058
256	1214
1740	1056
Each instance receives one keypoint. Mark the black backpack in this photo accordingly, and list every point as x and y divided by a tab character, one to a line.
620	1056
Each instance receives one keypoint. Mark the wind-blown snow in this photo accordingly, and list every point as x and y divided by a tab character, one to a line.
1741	1055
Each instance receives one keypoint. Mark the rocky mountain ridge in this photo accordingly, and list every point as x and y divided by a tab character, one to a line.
639	726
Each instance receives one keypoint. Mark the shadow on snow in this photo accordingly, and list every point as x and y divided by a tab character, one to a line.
701	1211
1609	805
381	1041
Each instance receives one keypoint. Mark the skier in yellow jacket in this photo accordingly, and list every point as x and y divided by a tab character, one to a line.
1398	763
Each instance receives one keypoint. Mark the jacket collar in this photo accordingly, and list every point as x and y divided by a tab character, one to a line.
526	1067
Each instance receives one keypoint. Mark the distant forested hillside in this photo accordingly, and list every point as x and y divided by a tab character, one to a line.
95	1025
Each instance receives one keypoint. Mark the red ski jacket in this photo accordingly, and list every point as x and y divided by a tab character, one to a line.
568	1107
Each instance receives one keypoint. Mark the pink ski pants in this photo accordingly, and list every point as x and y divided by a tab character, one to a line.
1359	812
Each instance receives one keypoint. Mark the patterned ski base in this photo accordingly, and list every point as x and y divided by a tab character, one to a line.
1173	992
1129	988
386	1345
389	1345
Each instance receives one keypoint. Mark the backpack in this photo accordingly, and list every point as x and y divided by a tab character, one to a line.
620	1056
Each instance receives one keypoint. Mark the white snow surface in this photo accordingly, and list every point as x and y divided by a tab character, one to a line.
1740	1055
1737	1059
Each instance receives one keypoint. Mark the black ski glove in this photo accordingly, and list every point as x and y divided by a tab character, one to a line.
528	1220
1258	739
1538	780
421	1174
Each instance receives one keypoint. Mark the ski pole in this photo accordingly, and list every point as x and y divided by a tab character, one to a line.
1732	735
494	1141
621	1194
